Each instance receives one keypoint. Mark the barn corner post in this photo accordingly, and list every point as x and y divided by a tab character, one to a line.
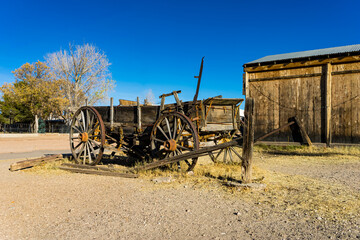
248	143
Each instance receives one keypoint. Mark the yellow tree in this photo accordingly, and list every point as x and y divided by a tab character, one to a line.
36	89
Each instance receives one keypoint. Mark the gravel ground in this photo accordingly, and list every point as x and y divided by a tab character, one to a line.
74	206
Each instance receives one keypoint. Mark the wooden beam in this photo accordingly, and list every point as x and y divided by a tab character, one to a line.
138	108
103	168
33	162
318	62
303	75
328	104
111	113
274	131
303	133
97	172
286	77
246	84
248	143
188	155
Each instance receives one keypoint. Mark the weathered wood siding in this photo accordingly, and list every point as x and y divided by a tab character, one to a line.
281	93
345	91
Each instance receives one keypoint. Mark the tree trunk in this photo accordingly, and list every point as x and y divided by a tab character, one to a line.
36	124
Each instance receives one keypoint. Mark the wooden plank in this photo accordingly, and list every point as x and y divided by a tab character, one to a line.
248	143
311	63
246	87
97	172
188	155
169	94
286	77
103	168
304	135
328	104
274	131
33	162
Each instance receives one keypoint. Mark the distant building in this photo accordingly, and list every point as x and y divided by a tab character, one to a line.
320	87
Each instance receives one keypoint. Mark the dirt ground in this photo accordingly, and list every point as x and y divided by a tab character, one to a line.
16	143
58	205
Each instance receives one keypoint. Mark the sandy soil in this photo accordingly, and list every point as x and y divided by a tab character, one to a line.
29	144
75	206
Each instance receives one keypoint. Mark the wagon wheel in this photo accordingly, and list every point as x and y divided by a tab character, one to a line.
87	136
174	134
228	151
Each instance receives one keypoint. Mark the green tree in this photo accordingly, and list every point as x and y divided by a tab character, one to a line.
34	92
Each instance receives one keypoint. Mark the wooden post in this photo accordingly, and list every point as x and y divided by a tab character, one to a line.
246	84
139	114
111	113
248	143
328	104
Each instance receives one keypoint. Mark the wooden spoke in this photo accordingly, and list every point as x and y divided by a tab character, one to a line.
84	156
81	150
91	147
159	140
77	129
87	120
217	155
94	142
184	148
175	127
180	133
92	130
225	154
236	153
230	155
77	145
162	131
83	120
94	136
168	127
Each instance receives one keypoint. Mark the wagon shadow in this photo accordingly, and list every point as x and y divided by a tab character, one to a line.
119	160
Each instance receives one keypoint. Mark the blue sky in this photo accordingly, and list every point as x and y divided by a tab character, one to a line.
158	45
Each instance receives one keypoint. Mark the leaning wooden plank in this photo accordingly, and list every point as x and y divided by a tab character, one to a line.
274	131
304	135
33	162
103	168
97	172
188	155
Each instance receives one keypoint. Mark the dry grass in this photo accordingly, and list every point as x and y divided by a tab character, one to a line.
46	168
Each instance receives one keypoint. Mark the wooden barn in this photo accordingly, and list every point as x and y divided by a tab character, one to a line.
320	87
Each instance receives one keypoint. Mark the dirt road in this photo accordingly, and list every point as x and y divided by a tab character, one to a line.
62	205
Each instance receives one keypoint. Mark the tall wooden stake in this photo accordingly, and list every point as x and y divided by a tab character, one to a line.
328	104
248	143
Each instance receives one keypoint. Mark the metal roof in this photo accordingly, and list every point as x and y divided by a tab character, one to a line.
306	54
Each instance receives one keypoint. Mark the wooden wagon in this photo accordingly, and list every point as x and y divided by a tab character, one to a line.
161	134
